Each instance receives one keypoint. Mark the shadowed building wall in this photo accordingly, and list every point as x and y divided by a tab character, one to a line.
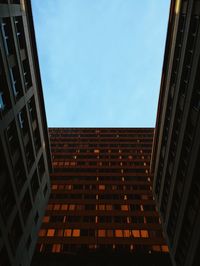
176	150
24	146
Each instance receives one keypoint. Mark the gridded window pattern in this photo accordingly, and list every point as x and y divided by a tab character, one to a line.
101	191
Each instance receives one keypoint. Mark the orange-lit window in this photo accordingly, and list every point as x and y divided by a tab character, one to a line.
72	163
101	187
96	151
53	187
109	233
165	248
130	157
56	207
124	207
125	197
128	220
50	232
96	219
109	207
156	248
141	207
76	232
101	233
42	232
101	207
64	207
126	233
68	232
45	219
56	248
136	233
71	207
144	233
118	233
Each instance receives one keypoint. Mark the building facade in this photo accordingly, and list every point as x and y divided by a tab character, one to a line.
24	145
101	196
176	150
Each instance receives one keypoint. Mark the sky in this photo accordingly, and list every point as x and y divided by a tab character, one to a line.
101	60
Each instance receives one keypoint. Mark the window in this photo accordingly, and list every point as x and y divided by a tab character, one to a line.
64	207
124	207
56	207
67	232
45	219
50	232
118	233
42	232
71	207
76	233
101	207
165	248
126	233
54	187
136	233
101	187
144	233
101	233
56	248
109	233
108	207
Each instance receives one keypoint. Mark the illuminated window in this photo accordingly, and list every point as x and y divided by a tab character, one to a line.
56	207
109	207
68	232
118	233
128	220
144	233
124	207
64	207
141	207
96	151
101	233
71	207
56	248
101	187
109	233
42	232
130	157
165	248
96	219
76	232
126	233
53	187
45	219
125	197
72	163
136	233
50	232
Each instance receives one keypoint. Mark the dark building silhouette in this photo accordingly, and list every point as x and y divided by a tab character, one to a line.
176	151
24	145
101	201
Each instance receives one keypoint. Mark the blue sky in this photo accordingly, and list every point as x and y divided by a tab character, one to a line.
101	60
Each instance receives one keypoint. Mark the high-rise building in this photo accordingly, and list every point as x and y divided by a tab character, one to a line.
101	198
24	145
176	151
